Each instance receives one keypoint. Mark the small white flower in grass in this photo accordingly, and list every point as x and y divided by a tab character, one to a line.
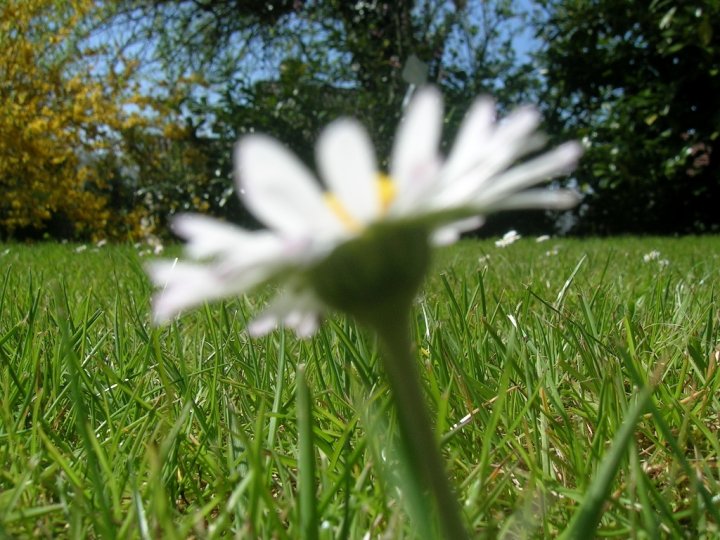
651	256
542	238
507	239
654	255
366	237
552	252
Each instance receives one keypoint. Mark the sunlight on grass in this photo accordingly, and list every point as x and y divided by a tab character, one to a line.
533	357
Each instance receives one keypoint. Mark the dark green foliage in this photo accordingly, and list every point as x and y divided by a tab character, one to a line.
640	83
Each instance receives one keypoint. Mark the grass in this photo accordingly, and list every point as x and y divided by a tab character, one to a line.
571	390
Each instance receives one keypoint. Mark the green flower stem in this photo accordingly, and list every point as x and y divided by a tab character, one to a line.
420	445
374	278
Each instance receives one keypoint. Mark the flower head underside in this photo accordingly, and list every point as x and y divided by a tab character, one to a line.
319	238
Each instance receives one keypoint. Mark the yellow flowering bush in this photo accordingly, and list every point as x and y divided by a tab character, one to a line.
60	108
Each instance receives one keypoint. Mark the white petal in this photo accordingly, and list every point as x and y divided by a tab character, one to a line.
245	252
553	163
414	157
208	237
516	130
296	309
557	199
510	140
471	141
346	159
185	285
305	323
262	324
449	234
280	191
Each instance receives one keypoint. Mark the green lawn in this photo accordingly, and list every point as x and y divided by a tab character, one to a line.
535	358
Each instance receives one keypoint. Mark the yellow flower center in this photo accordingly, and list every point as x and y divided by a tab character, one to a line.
341	212
386	192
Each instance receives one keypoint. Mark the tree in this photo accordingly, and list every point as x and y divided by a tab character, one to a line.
61	108
287	68
639	84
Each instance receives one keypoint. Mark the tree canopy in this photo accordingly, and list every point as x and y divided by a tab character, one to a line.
115	115
639	83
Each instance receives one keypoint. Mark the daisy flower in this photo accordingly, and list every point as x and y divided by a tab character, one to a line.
508	238
361	234
652	256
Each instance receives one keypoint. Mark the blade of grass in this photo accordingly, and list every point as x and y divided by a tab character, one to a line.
306	460
104	521
585	521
